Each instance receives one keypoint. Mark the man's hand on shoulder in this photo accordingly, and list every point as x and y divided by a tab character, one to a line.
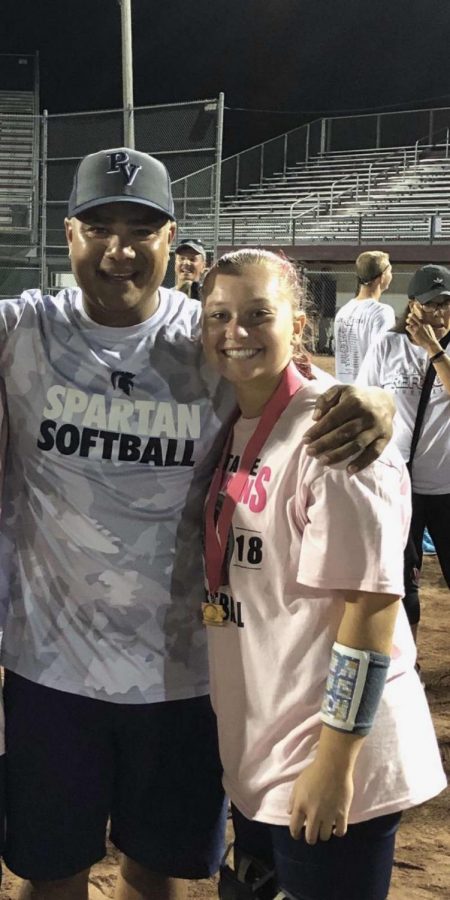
349	421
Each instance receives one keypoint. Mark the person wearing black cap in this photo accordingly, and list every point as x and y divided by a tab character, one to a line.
360	321
113	435
190	265
413	363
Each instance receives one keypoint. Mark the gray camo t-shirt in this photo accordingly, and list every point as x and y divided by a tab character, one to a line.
113	435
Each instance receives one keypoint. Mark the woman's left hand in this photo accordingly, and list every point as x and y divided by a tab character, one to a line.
320	803
422	335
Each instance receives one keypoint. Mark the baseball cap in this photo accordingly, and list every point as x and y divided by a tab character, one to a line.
194	244
112	176
429	282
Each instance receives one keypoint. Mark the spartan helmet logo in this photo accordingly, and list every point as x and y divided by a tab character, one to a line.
120	162
123	381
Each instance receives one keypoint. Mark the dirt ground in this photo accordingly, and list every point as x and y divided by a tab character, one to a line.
422	859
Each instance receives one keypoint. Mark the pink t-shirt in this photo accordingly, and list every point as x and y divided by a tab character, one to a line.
301	534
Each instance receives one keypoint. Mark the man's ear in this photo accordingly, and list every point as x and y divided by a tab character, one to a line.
69	232
172	231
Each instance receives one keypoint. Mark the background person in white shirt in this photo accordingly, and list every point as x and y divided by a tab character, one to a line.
398	363
359	322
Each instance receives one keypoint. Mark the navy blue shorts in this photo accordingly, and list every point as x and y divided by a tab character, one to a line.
357	866
74	762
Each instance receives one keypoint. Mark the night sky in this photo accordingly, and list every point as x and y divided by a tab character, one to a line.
305	56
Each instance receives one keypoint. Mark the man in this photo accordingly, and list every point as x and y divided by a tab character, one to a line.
359	322
115	425
190	264
322	291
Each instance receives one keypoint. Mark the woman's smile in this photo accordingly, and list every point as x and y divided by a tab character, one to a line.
238	353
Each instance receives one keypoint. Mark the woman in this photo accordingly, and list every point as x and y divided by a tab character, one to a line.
398	363
325	735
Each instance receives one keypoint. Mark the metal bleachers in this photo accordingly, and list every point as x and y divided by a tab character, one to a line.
18	150
399	194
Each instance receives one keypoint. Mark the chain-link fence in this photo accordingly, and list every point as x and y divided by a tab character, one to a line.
38	157
183	135
326	290
390	129
384	130
19	171
268	170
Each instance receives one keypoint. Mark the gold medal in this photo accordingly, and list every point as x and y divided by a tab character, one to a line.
213	614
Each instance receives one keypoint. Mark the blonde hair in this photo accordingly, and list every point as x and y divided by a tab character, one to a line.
234	264
371	264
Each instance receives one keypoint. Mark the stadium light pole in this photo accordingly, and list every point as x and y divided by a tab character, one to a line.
127	72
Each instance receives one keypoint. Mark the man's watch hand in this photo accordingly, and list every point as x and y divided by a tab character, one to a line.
351	421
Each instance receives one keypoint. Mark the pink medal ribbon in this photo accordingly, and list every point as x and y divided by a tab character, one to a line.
216	533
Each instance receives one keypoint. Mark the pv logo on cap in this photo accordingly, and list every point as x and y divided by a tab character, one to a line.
120	162
437	282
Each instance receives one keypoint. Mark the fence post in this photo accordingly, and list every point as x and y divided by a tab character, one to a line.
128	130
219	141
127	72
329	127
308	130
185	193
430	126
285	147
435	226
233	227
359	229
378	132
293	231
36	150
211	191
43	255
237	173
446	143
261	165
323	135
